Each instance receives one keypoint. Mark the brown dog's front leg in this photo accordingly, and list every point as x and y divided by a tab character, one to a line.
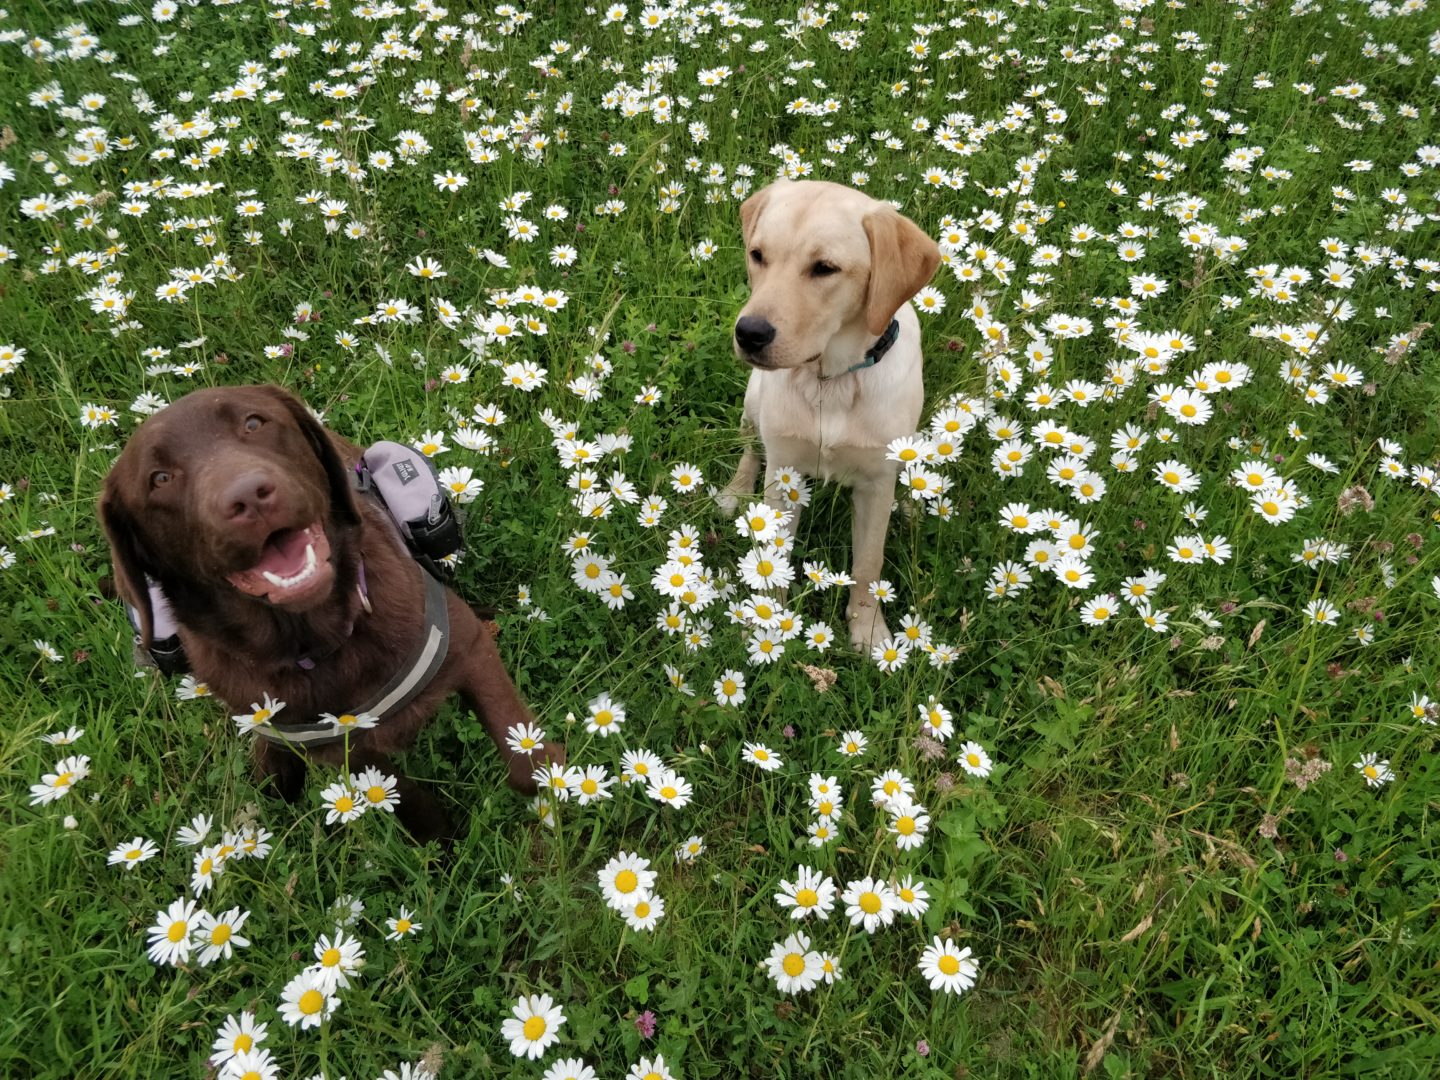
280	770
420	810
489	693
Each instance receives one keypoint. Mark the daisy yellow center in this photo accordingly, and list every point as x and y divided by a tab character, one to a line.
1172	478
642	910
757	523
402	926
177	930
1100	613
767	645
668	792
949	965
973	760
1270	507
908	454
65	779
311	1002
1077	542
242	1043
331	957
1186	552
908	895
642	768
764	568
807	898
794	964
346	719
905	826
1371	771
207	866
891	653
375	793
603	717
592	571
626	881
589	786
1020	521
761	755
534	1027
220	935
133	853
527	743
824	809
870	903
261	715
253	1074
345	804
729	687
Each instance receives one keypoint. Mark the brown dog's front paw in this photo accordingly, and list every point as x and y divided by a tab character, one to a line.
523	767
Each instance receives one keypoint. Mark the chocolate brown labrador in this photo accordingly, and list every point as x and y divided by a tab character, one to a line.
284	580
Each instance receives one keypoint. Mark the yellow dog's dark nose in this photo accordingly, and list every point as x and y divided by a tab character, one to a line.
753	333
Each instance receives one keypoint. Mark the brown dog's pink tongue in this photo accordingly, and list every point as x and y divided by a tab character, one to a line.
283	556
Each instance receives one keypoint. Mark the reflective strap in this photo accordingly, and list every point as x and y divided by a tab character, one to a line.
412	678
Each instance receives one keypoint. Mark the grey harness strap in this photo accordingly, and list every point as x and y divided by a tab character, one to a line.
425	660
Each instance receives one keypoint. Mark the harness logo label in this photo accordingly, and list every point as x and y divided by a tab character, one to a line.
406	471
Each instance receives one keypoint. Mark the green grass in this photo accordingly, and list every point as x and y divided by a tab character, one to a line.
1111	876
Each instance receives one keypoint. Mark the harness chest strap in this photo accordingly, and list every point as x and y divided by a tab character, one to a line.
424	661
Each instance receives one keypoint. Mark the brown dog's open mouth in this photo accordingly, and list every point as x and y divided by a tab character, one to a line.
294	565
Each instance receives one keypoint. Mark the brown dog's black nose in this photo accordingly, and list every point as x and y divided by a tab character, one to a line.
248	497
753	333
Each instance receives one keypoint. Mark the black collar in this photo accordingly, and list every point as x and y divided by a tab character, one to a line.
875	353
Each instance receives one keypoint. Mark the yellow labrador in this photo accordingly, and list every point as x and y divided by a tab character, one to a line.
835	347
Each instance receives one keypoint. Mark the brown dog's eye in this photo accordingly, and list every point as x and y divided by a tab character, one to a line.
755	254
252	423
824	269
159	477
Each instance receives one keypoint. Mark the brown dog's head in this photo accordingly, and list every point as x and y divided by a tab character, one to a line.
236	488
823	258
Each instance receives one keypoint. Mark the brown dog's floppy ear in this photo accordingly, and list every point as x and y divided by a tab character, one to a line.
902	260
750	213
130	579
342	500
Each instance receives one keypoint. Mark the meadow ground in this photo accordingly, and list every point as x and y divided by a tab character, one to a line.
1175	577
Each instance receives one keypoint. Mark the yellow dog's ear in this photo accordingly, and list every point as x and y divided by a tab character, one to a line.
750	213
902	260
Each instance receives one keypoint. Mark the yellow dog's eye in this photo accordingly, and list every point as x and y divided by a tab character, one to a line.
755	254
824	269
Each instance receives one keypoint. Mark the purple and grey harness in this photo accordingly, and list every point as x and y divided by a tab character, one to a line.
425	524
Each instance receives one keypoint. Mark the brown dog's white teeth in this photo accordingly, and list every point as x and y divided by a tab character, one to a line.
305	572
